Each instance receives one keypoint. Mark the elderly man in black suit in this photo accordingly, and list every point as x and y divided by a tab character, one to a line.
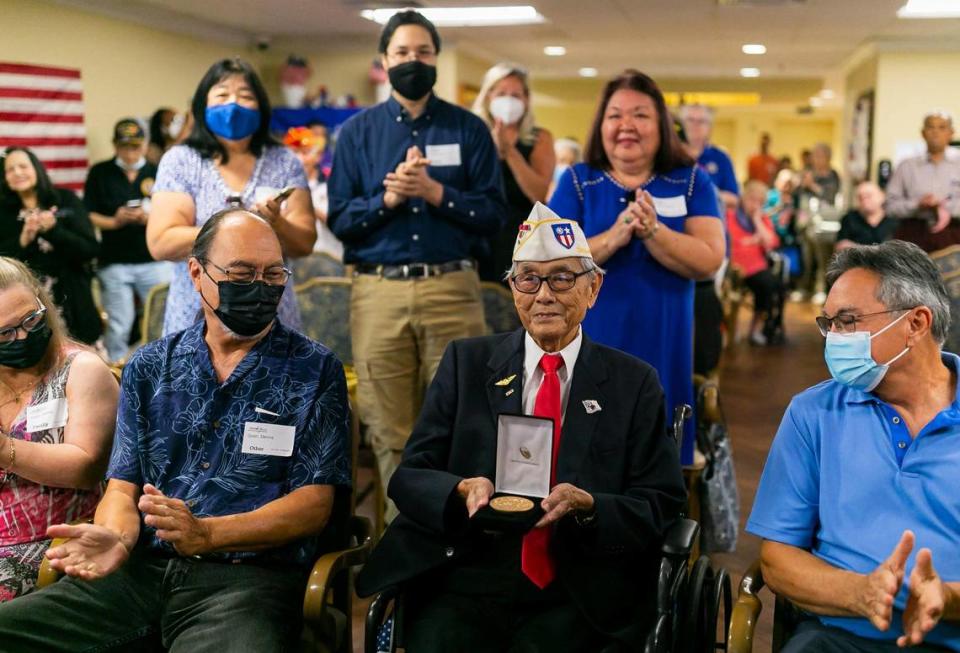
584	577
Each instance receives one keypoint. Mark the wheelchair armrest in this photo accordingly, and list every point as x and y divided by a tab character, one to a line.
326	568
376	615
680	538
48	575
746	611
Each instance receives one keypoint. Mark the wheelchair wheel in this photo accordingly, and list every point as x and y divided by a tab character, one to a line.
693	636
721	598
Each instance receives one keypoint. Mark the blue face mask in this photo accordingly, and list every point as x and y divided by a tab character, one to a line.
851	362
232	121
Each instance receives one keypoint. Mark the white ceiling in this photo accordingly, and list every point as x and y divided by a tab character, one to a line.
668	38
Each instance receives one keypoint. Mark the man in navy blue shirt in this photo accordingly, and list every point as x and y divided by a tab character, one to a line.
231	436
414	195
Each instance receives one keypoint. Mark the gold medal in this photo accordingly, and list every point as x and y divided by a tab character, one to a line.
511	504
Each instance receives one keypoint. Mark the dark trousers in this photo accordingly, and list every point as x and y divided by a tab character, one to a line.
707	320
187	604
813	637
768	296
450	622
917	231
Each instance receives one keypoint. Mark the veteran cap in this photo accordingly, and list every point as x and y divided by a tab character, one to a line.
128	132
545	236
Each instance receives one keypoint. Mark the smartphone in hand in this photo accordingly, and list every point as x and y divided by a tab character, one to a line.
284	194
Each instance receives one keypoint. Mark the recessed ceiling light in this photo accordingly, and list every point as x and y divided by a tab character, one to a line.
466	16
589	72
930	9
754	48
816	101
554	50
827	94
749	72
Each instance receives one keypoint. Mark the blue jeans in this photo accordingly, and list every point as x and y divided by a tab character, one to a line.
190	606
118	282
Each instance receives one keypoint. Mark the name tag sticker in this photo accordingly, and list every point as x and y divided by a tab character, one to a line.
268	439
670	207
48	415
444	155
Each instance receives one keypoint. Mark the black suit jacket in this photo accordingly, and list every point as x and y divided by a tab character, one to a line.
622	455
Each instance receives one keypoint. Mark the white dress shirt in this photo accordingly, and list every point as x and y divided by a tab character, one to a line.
533	375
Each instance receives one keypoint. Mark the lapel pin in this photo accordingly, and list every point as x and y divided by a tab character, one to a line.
507	380
591	406
508	392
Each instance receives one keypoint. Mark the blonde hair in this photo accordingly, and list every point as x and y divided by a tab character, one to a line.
481	106
13	272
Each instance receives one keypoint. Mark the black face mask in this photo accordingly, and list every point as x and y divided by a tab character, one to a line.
412	79
247	309
26	352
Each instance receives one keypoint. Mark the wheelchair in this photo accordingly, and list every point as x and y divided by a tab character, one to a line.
693	599
746	611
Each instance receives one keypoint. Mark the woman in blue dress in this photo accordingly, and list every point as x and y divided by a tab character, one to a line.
650	216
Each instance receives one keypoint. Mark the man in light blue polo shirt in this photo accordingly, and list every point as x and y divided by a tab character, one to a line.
858	504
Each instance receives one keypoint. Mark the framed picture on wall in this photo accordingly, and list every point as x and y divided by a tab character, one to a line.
861	139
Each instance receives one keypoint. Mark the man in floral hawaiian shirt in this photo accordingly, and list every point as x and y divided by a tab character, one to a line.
231	437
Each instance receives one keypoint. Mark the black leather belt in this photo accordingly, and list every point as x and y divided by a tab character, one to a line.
413	270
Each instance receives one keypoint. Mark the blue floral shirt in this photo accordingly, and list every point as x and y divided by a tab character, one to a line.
181	430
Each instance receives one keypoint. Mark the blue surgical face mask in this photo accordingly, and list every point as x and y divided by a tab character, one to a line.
232	121
850	360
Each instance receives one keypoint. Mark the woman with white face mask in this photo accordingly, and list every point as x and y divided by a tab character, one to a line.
526	156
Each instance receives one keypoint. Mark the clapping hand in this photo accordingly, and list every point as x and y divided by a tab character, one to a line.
926	601
174	522
91	552
412	180
504	137
879	588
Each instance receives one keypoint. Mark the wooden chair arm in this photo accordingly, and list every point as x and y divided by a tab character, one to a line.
48	575
326	568
746	611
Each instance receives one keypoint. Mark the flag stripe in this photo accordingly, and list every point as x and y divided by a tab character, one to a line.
40	94
29	69
75	186
46	106
21	141
58	164
40	129
22	117
68	175
38	82
60	152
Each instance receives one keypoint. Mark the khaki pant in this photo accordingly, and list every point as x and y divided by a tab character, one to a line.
400	329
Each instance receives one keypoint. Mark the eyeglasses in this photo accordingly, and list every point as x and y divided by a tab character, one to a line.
28	324
558	281
246	274
847	322
404	53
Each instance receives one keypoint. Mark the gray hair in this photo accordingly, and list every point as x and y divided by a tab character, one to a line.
586	263
685	110
938	113
908	278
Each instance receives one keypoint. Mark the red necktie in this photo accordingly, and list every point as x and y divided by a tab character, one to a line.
535	559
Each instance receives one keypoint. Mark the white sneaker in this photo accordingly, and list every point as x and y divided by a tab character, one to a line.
796	296
819	298
758	339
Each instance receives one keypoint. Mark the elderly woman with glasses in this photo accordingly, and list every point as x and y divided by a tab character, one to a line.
58	407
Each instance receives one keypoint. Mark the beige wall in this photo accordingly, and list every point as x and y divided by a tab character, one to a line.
904	94
341	72
127	69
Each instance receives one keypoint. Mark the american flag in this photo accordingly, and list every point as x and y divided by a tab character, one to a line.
41	107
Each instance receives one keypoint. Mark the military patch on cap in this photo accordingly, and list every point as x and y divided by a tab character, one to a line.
545	236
